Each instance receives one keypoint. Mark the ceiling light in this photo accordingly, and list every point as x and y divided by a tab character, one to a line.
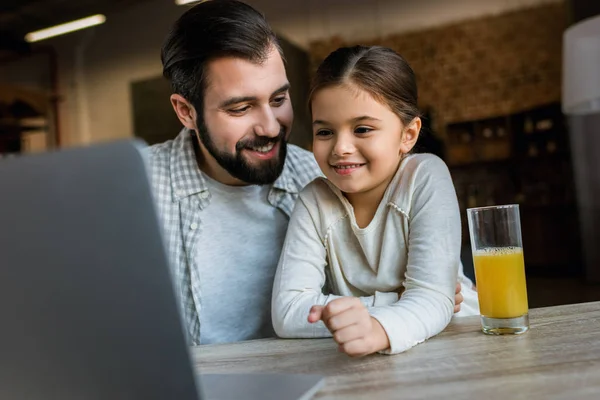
65	28
182	2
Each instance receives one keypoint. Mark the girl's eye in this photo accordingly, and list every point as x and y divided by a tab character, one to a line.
362	130
323	132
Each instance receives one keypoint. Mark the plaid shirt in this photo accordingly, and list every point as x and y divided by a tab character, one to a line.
181	196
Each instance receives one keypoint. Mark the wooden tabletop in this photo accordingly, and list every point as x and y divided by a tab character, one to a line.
559	358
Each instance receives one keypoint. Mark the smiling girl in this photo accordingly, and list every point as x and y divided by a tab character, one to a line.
372	253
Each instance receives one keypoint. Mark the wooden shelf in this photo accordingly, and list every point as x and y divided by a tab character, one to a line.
482	163
542	185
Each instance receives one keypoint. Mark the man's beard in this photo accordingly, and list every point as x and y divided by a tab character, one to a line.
261	172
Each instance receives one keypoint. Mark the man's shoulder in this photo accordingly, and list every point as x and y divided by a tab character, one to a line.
158	159
299	154
159	152
301	166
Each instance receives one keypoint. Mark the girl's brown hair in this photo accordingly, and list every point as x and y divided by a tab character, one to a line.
379	71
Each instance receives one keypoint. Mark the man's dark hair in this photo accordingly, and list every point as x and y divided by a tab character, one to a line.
211	30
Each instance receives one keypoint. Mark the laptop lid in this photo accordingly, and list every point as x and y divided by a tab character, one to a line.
86	300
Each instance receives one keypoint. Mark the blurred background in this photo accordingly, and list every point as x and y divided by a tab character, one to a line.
496	81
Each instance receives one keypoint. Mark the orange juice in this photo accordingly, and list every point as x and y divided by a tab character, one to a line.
500	277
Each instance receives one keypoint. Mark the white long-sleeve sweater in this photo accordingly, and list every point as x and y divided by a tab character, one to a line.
412	247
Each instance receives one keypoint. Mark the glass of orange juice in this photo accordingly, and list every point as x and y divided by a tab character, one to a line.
499	268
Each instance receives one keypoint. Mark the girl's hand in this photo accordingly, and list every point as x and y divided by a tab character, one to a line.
458	298
355	331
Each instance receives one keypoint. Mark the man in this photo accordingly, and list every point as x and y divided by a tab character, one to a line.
225	187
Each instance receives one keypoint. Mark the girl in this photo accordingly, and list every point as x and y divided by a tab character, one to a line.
383	230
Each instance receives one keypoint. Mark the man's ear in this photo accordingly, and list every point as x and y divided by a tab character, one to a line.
410	135
184	110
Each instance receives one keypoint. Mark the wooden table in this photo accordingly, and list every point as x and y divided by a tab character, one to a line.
559	358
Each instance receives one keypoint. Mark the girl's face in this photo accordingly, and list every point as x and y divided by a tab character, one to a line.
358	142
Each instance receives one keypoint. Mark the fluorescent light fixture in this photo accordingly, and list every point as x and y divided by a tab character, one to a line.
182	2
65	28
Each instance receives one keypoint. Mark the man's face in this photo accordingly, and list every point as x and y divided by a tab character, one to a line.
247	119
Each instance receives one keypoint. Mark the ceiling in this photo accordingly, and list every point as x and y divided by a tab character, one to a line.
301	21
18	17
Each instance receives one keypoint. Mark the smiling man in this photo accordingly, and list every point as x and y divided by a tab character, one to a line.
227	184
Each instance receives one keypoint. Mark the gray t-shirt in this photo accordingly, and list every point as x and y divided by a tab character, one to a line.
237	254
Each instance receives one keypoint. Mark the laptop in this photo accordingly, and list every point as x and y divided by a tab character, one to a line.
87	305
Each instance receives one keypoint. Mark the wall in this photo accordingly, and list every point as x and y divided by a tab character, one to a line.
483	67
310	20
583	9
30	79
298	66
31	72
97	66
